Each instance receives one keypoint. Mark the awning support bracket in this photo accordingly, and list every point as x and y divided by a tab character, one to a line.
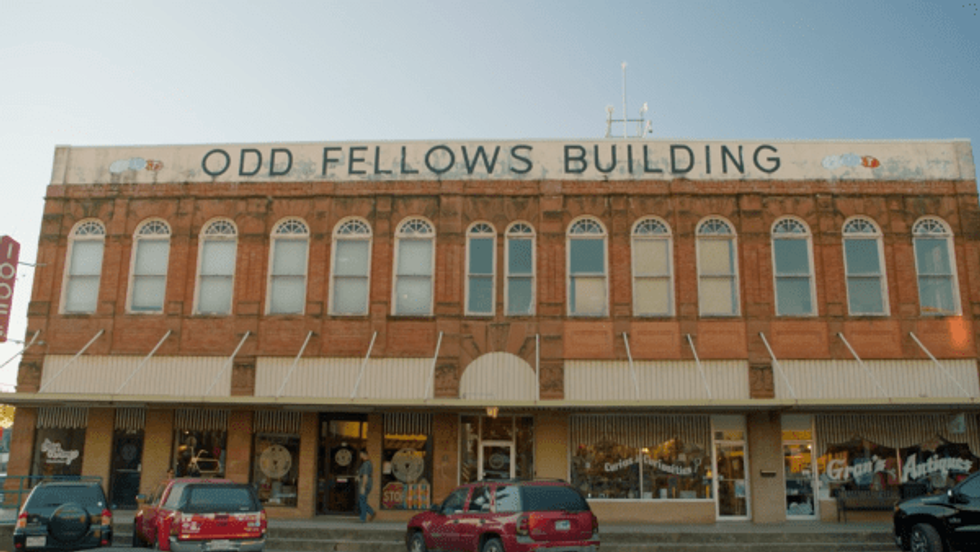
144	361
228	362
73	359
940	365
704	379
294	364
26	347
629	355
360	374
776	365
866	369
432	372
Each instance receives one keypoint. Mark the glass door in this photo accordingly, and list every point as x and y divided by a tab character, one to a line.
496	461
127	460
732	489
342	437
798	467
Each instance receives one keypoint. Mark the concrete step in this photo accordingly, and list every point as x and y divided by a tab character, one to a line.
296	545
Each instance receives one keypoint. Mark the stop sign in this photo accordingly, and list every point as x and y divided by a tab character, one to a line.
9	251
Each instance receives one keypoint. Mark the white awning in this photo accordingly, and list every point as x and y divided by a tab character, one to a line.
384	378
656	380
845	380
174	376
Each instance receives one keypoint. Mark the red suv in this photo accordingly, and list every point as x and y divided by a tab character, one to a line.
494	516
197	515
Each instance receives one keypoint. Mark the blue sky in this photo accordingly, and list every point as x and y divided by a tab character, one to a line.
116	73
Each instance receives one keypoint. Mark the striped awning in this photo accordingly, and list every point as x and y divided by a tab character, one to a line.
196	419
277	422
407	423
62	417
641	430
896	430
130	419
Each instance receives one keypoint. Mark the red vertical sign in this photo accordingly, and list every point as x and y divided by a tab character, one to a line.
9	251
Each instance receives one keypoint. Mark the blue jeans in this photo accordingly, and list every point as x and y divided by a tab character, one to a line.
363	508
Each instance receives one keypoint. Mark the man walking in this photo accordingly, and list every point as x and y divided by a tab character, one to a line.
365	475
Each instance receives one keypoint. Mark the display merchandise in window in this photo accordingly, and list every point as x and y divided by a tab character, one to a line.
275	468
406	472
58	452
199	453
670	470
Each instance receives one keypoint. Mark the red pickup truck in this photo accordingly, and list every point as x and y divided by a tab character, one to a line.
198	515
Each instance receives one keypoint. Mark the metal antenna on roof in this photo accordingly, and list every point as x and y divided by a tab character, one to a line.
642	125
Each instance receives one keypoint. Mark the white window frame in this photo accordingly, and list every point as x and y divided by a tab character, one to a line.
85	230
584	228
289	228
481	230
520	230
865	229
933	227
639	234
414	228
804	234
732	237
148	230
351	229
223	230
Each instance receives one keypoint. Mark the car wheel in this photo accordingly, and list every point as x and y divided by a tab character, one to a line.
493	545
417	543
925	538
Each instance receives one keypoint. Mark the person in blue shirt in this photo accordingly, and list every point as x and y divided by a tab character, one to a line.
365	475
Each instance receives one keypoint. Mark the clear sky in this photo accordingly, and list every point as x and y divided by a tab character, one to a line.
119	73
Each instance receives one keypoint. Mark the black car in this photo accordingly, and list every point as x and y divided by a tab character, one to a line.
935	523
64	516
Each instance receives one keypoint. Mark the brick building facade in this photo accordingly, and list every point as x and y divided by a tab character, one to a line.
686	331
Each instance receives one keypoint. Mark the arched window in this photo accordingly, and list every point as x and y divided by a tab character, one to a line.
864	266
83	269
414	267
792	261
717	268
216	267
350	288
287	267
151	252
481	261
587	268
519	292
934	262
653	287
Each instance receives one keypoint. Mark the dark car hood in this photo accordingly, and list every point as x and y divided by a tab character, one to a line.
925	500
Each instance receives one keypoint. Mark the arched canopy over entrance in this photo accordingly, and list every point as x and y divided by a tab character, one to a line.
498	377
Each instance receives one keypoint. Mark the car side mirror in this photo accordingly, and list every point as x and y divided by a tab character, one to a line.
953	496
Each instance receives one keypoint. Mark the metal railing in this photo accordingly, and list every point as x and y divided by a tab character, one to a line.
15	488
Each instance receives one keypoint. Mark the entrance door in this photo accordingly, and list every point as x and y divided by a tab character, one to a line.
127	459
496	461
342	437
730	466
798	467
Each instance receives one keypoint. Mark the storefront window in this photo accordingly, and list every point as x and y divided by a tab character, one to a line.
58	451
622	458
275	468
406	471
858	464
937	465
798	469
199	453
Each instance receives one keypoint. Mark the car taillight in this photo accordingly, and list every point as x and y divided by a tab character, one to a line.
262	521
106	517
22	520
174	522
523	526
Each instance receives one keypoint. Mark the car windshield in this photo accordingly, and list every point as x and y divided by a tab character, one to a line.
62	494
218	498
542	498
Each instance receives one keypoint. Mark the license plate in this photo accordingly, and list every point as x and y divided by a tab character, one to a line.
563	525
36	541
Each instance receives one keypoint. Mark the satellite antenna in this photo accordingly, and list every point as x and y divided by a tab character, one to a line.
642	125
